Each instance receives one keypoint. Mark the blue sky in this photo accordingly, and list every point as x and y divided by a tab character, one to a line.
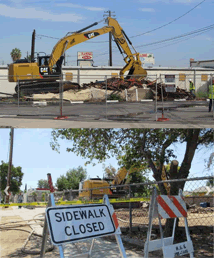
33	153
55	18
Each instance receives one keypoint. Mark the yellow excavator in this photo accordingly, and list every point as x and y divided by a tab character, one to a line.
44	75
113	191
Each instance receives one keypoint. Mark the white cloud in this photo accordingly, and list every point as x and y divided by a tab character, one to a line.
70	5
169	1
150	10
32	13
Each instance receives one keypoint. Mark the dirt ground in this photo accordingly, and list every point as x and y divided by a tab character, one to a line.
11	240
140	217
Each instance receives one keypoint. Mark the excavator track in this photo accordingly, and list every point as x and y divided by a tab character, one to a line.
38	87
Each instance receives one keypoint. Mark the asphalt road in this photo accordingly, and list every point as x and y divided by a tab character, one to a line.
185	114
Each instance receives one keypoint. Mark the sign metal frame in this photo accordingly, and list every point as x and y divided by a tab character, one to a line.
106	202
166	244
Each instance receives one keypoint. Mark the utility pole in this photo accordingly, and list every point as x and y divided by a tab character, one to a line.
110	37
10	162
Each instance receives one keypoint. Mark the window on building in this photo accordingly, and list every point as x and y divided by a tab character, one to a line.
170	78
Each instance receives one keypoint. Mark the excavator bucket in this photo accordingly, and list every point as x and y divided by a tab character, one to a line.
137	72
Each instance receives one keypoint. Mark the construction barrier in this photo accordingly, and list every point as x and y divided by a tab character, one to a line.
77	202
165	207
72	224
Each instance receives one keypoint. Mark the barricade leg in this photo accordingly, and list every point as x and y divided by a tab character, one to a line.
188	236
91	247
120	245
151	212
61	251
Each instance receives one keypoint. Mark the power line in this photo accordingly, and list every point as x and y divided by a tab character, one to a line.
197	32
39	35
178	41
169	22
204	29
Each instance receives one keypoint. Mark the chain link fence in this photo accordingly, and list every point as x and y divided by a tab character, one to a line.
150	97
198	196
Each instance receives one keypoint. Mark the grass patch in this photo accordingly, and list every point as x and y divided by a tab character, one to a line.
115	97
201	95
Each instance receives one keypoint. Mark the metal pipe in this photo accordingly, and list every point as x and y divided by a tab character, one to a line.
130	210
94	24
126	37
33	46
121	52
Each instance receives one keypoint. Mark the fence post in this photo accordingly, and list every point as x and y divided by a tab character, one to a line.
194	79
126	94
90	194
78	76
156	96
130	210
136	94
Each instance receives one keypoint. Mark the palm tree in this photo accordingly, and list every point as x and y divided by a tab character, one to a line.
15	54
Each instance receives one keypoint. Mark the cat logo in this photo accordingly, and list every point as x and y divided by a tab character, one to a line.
121	40
44	69
91	35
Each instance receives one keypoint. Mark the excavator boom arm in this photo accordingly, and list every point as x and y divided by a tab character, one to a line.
133	63
72	40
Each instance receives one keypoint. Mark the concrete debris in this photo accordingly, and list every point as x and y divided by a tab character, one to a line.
197	209
116	84
128	89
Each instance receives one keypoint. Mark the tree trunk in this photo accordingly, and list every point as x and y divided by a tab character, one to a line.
174	189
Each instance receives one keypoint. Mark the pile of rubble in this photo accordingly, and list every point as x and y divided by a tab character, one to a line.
198	209
117	84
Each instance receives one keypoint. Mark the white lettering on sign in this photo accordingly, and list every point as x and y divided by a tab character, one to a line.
73	223
44	69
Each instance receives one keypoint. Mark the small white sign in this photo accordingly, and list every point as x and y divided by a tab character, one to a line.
178	249
147	58
6	190
84	55
74	223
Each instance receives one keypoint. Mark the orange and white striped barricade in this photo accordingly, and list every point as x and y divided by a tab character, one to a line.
164	207
74	223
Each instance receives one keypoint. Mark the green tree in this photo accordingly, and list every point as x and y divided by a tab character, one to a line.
34	194
72	179
42	183
16	177
15	54
139	147
110	172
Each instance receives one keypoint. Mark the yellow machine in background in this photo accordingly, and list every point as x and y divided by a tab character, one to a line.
113	192
42	76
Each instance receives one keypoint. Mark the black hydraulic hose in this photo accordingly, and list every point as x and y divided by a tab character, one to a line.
121	52
127	37
94	24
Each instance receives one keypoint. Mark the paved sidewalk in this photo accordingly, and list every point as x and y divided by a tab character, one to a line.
102	247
